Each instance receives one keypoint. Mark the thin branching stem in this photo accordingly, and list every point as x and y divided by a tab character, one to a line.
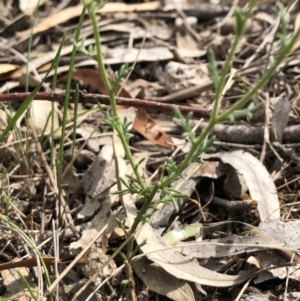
111	94
262	82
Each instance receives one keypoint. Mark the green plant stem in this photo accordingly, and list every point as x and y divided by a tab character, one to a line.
238	105
197	142
101	66
111	94
228	61
187	160
145	207
221	84
266	77
66	102
27	285
118	128
131	283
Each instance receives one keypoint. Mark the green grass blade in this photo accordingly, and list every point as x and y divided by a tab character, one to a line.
25	105
66	100
27	285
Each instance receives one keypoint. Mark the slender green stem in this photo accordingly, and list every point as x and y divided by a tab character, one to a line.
230	56
239	104
221	84
190	154
27	285
101	66
66	100
111	94
265	78
36	11
145	207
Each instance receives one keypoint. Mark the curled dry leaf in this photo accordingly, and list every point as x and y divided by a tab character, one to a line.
178	265
159	281
271	234
212	249
147	126
265	260
96	183
98	179
258	180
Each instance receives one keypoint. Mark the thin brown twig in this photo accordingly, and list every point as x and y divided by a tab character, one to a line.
104	99
235	205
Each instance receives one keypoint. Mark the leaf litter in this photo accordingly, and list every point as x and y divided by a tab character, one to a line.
171	66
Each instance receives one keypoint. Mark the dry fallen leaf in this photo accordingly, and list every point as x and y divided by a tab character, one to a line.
180	266
89	76
40	111
146	126
28	6
74	11
159	281
258	180
4	68
97	180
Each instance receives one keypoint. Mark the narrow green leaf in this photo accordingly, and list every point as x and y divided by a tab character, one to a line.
26	103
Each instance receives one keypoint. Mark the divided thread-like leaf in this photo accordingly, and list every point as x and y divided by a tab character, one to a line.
120	74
